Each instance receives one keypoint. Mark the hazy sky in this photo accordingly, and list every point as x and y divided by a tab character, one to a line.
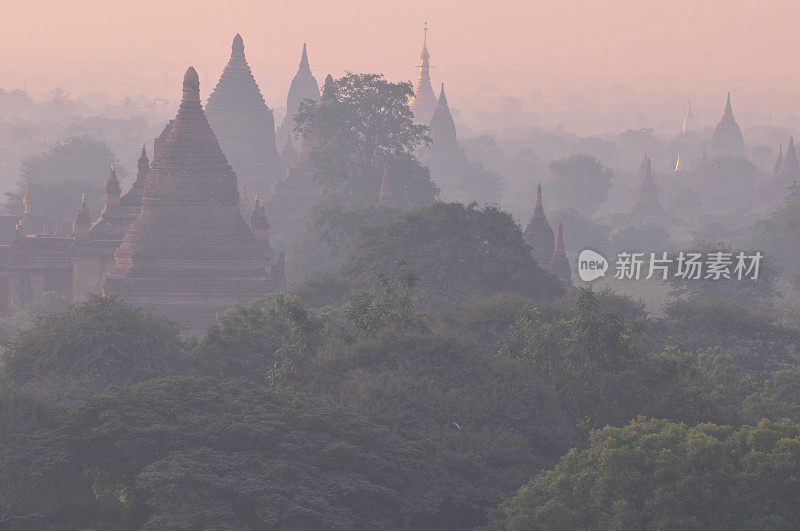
143	46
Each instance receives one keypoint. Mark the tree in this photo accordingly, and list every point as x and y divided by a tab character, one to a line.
92	345
457	251
369	312
189	453
362	123
260	341
59	176
655	474
580	182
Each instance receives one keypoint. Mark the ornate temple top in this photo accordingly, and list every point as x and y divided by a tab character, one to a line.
443	129
538	234
243	123
424	103
647	203
559	263
727	140
688	120
112	184
778	162
304	87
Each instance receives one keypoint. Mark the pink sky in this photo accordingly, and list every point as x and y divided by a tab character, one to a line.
143	46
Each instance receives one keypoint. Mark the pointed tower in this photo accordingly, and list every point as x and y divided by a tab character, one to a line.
113	190
647	203
727	140
385	197
443	129
424	101
539	234
189	254
83	220
688	120
776	170
259	225
244	124
790	167
304	87
559	263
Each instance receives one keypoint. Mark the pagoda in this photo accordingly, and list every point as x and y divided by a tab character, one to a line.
423	104
727	139
538	234
304	87
189	254
559	263
244	124
647	203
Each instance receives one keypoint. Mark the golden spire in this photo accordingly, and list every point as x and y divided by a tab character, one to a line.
678	164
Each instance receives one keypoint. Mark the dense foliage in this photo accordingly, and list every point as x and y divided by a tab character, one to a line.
654	474
188	453
362	123
59	176
92	345
456	250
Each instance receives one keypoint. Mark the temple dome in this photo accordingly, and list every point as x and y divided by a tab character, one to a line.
727	140
304	87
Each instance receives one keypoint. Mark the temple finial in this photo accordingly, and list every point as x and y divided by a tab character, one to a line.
728	108
237	48
442	97
191	85
304	67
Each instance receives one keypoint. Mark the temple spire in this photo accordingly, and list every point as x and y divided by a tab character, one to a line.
538	234
442	97
647	203
424	101
779	162
385	197
191	86
559	264
113	190
83	220
728	108
687	119
237	47
304	67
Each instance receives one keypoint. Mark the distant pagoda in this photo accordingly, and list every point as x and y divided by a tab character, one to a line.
647	203
244	124
688	120
304	87
189	254
424	101
727	140
559	263
538	234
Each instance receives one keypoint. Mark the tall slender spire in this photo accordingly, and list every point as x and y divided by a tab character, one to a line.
538	234
687	119
727	139
83	220
647	203
778	162
559	263
304	67
113	190
424	101
385	197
